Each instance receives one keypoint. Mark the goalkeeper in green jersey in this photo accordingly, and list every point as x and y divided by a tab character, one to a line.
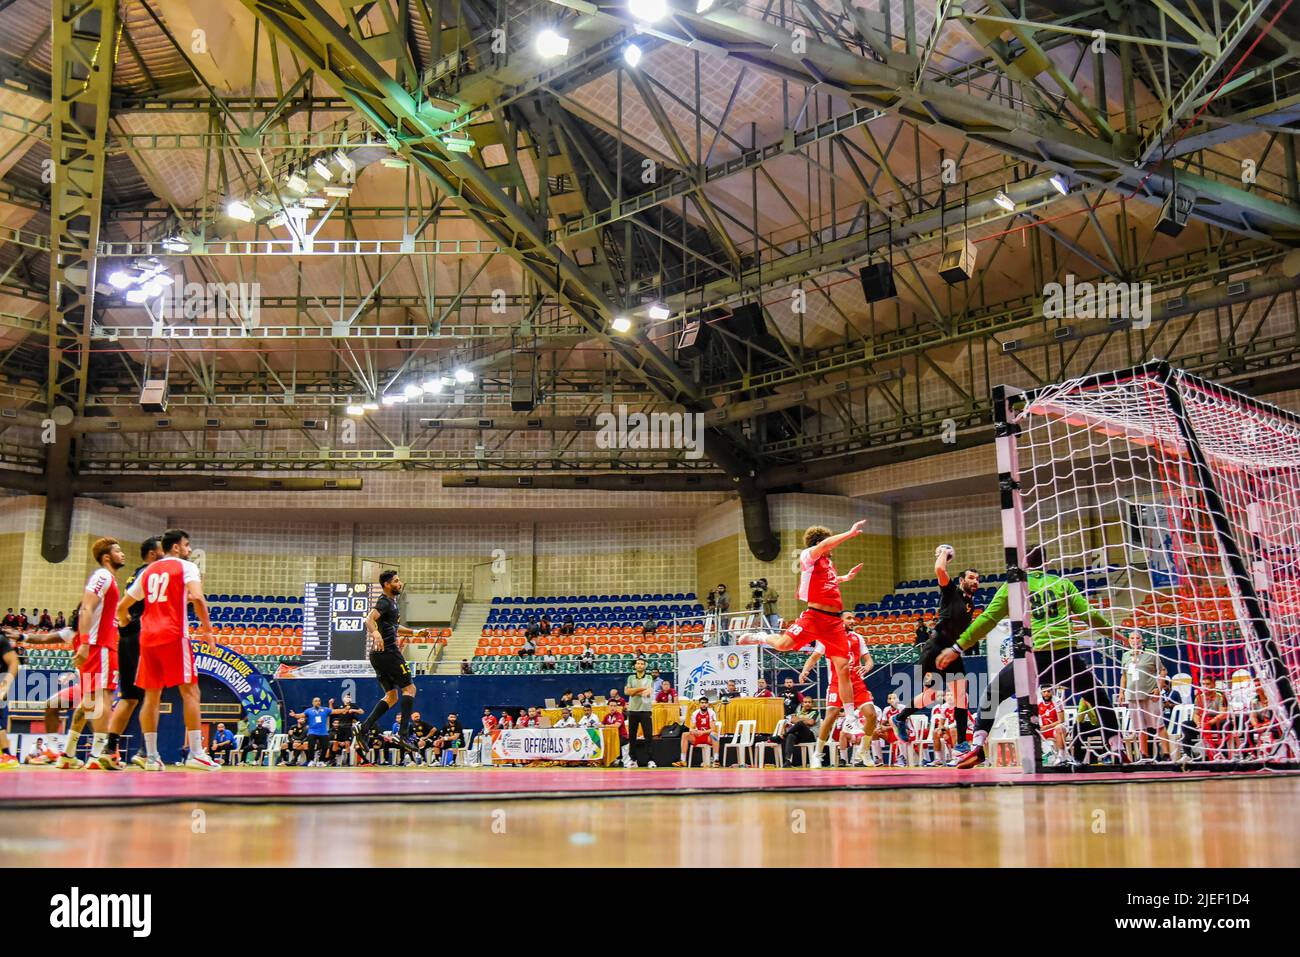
1055	605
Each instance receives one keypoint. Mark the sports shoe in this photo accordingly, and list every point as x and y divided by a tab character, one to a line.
111	762
853	722
153	764
816	761
973	758
679	764
140	759
900	729
651	764
8	763
202	762
67	762
961	749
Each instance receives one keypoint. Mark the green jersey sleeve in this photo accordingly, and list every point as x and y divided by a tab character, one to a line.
981	626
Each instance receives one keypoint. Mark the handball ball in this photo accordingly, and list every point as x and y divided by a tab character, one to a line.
948	549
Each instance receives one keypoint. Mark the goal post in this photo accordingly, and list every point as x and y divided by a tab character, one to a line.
1172	504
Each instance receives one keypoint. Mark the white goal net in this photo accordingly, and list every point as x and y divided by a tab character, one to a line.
1173	505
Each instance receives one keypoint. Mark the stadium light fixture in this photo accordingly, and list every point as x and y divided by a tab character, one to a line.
176	244
345	162
632	55
433	385
621	324
279	219
315	202
550	44
370	406
323	170
463	375
296	183
136	296
1005	201
389	400
659	312
458	142
413	391
337	192
355	409
647	11
394	162
240	210
1061	183
703	5
121	279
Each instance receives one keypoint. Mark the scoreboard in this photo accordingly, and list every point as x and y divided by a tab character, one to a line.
334	619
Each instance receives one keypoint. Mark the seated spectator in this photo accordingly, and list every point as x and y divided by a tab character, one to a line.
529	646
489	721
41	754
544	626
702	729
566	626
506	723
46	623
616	715
566	719
566	699
588	698
640	652
23	621
658	681
465	667
449	738
340	741
298	745
923	632
588	660
589	719
59	622
730	692
10	620
548	661
666	694
650	625
614	696
799	730
421	737
763	690
222	746
535	717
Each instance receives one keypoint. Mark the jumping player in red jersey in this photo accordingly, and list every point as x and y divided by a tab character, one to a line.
819	587
166	658
858	721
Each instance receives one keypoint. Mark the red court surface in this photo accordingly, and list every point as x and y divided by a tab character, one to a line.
46	787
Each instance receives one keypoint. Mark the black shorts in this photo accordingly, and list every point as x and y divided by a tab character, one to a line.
128	658
391	669
930	651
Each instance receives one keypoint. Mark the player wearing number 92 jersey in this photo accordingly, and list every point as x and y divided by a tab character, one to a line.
166	658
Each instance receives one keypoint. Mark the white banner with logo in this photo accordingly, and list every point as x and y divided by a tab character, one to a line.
548	744
707	670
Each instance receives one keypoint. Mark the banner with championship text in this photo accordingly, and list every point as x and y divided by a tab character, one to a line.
707	670
548	744
253	689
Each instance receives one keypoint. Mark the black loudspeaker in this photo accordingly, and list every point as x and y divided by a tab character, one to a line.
878	282
747	322
691	342
1173	217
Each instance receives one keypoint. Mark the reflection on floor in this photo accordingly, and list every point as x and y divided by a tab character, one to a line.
1190	824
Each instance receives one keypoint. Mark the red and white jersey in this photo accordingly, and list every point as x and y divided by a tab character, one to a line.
1048	716
857	647
818	583
161	587
489	723
945	713
703	719
101	630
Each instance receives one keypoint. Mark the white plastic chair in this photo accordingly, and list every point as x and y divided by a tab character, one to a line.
464	753
918	730
742	741
273	749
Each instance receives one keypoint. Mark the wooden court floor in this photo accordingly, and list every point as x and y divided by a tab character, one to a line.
1200	823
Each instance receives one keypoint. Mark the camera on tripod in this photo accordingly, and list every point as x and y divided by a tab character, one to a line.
756	589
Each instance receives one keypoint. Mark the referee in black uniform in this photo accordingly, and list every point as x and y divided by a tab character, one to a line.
129	694
956	608
394	674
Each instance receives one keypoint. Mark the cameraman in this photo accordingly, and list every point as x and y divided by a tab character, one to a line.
767	596
719	604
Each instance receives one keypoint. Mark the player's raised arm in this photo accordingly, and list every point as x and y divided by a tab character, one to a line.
827	544
942	556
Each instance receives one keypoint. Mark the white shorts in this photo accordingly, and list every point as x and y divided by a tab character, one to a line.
1145	713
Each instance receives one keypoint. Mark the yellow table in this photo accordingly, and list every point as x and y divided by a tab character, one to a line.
766	712
555	714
